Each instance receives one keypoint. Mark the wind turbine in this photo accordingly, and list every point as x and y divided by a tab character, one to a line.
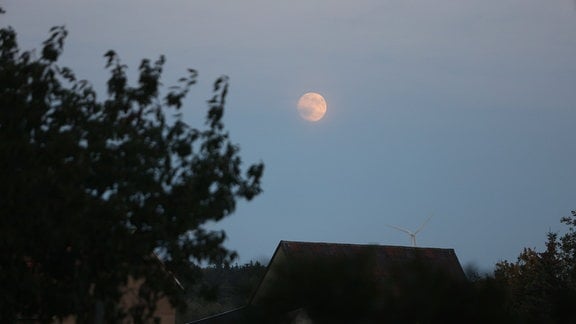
410	233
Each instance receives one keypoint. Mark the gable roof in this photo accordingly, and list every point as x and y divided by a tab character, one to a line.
384	255
295	260
337	274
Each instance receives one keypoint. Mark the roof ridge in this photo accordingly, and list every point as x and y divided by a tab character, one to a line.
283	242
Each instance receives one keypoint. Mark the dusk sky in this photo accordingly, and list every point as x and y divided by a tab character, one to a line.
464	110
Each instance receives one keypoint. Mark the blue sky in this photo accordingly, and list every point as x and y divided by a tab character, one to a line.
464	110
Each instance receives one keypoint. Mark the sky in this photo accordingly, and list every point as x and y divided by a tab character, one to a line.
460	110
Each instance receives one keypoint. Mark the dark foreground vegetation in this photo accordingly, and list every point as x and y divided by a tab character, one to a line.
541	286
105	199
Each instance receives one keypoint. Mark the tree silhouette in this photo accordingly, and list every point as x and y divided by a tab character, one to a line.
94	192
541	286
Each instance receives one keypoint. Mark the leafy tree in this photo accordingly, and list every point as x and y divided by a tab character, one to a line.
541	286
94	192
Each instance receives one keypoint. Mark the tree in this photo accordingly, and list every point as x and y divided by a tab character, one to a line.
541	286
94	192
223	288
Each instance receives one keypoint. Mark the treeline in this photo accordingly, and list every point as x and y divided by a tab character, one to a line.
541	286
222	288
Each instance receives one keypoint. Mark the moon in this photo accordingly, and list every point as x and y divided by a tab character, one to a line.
312	106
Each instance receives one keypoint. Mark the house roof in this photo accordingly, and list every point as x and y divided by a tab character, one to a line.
301	273
237	315
384	256
372	264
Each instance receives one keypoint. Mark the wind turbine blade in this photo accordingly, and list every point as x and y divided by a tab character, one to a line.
422	226
401	229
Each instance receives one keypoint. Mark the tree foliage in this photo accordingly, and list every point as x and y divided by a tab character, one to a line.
541	286
96	191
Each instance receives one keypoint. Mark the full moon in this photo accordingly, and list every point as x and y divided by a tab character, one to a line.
312	106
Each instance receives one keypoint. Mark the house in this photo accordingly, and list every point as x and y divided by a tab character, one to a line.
164	312
327	282
130	298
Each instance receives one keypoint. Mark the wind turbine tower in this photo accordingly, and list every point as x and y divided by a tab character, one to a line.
410	233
